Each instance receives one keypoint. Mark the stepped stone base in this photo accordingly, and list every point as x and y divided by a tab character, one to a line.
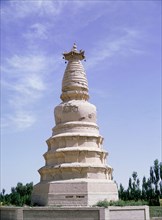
75	192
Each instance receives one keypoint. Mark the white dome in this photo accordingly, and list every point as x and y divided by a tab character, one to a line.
75	110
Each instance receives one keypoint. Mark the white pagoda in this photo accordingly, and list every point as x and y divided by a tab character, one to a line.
76	171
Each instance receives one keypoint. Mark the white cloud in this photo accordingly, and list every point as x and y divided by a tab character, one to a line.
123	43
35	83
36	31
19	121
21	8
24	80
53	7
25	77
23	119
26	64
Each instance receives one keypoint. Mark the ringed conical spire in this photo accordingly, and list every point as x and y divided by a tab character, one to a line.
74	84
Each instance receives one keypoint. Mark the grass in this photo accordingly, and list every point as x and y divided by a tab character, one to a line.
155	211
105	203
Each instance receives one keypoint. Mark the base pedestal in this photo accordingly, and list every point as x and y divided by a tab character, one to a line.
75	192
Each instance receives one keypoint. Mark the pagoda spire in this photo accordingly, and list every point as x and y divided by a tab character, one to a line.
74	54
74	47
74	83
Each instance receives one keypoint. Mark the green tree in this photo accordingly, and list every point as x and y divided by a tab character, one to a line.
133	191
144	189
154	183
151	187
19	196
121	192
160	180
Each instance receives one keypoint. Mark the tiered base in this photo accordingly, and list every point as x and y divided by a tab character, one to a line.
75	192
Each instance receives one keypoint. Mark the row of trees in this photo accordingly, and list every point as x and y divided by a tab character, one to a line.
151	190
19	196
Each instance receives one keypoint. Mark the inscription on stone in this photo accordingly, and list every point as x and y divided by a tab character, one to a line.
70	108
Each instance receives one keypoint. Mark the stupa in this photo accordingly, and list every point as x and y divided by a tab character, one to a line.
76	171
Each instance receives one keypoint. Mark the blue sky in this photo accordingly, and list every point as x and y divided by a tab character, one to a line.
122	43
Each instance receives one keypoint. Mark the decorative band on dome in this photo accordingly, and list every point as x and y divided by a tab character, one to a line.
76	95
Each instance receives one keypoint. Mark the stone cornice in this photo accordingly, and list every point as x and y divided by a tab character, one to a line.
75	127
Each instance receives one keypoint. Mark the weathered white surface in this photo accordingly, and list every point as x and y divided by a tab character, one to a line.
75	153
75	192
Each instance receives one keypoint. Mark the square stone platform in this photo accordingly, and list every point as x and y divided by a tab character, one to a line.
75	192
